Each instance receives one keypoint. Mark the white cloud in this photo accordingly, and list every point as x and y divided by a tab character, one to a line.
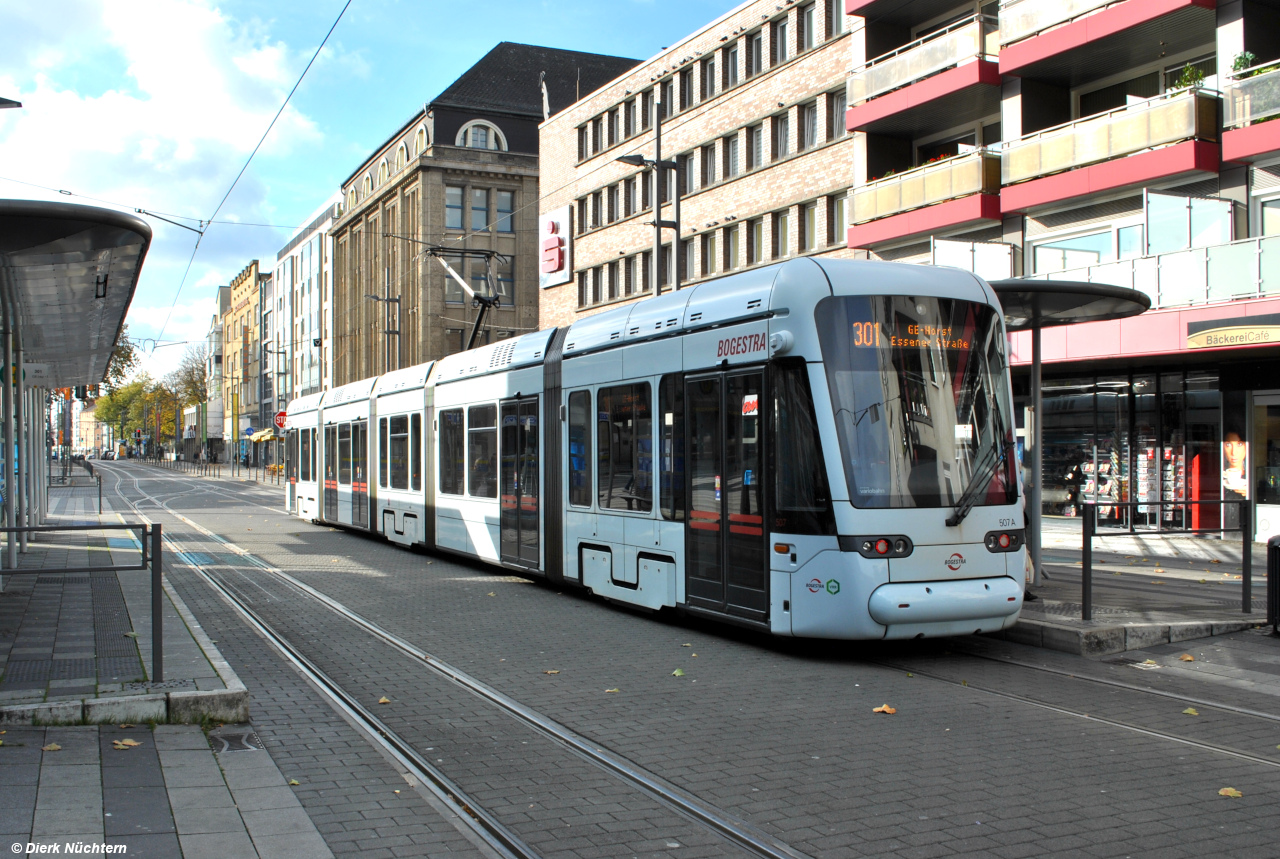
153	105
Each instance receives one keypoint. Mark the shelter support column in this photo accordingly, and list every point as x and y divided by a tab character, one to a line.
24	459
11	544
1037	461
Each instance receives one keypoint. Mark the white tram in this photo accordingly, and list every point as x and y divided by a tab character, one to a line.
817	448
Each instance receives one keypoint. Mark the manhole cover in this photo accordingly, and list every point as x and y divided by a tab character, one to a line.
235	738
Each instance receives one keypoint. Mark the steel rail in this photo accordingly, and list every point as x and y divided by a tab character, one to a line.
734	830
479	821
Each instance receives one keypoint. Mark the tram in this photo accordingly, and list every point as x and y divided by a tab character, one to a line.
817	448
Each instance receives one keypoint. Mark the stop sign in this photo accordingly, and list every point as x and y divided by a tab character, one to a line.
280	416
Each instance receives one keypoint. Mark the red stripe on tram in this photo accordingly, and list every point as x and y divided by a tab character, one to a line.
746	517
745	529
705	526
704	514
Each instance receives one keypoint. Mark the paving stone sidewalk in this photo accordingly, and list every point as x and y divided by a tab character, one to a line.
157	793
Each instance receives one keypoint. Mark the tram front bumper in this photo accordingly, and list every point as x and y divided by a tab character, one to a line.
948	603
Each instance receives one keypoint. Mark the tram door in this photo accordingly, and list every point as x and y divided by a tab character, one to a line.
360	474
726	566
331	474
290	470
519	481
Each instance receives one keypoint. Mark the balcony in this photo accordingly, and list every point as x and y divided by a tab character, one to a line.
951	193
1071	42
947	78
1249	268
975	38
1248	101
1144	131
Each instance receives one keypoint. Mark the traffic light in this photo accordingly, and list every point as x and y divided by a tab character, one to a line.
82	392
137	434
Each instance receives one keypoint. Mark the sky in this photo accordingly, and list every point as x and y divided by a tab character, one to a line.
157	105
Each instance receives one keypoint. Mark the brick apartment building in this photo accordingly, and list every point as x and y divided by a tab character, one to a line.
461	172
753	111
1119	142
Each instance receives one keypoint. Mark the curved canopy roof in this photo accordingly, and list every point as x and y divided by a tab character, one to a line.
1045	303
69	272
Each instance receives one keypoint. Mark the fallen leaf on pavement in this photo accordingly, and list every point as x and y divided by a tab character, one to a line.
131	635
1229	791
1149	662
1191	711
293	782
686	645
886	709
679	672
611	690
52	747
491	594
126	725
384	700
1186	657
553	671
693	654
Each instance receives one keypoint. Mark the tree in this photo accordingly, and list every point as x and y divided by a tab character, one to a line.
123	361
191	379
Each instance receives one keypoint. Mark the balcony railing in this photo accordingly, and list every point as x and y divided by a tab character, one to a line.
972	173
1179	115
1022	18
1249	268
976	37
1254	95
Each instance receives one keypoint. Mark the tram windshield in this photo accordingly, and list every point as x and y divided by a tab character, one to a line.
921	399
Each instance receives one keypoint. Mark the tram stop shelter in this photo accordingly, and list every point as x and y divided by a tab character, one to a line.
1032	305
67	277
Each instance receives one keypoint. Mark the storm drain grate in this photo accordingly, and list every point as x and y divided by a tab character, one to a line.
235	738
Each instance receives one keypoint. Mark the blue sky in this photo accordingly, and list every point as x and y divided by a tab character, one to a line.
157	104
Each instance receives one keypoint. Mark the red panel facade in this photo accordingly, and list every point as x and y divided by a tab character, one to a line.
1156	332
1108	22
1251	142
975	209
977	73
1133	171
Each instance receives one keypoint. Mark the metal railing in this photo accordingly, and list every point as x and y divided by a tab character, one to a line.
1247	268
971	173
1251	95
1179	115
149	541
1089	532
1022	18
976	37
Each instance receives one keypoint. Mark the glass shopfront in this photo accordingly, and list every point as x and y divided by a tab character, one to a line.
1158	437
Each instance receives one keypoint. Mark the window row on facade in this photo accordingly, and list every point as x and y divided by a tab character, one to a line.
809	227
725	158
479	210
766	47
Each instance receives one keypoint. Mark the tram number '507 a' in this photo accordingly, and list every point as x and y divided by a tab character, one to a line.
1007	523
866	334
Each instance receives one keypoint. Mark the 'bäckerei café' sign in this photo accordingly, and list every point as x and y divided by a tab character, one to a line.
1237	331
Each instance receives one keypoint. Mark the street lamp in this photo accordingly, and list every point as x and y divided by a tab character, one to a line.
388	331
657	165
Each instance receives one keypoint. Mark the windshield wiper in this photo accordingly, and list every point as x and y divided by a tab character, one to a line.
978	483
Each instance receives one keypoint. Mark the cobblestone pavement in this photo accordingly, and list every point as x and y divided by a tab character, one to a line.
780	733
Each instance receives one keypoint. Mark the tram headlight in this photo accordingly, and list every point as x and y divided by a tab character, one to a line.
876	547
1005	541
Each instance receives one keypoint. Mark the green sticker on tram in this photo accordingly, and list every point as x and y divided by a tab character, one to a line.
833	587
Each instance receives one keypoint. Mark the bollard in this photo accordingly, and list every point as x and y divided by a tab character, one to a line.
1246	558
99	476
1086	567
1273	583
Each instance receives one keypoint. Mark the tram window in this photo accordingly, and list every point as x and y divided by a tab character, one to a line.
579	445
291	456
802	501
330	454
314	473
344	454
304	457
382	451
360	454
415	452
399	452
482	450
451	452
671	442
624	462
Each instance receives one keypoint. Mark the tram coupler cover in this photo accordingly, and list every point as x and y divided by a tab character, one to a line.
1273	583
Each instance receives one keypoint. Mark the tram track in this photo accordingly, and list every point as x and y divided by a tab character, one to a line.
483	823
